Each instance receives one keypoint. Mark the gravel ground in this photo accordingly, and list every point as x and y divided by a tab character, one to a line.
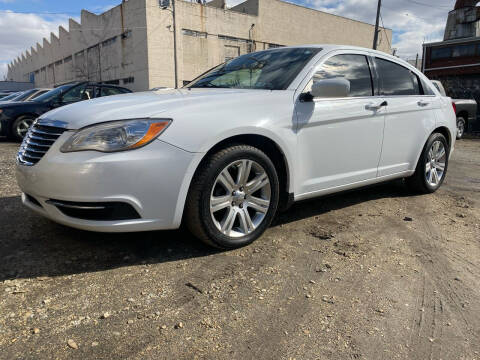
371	274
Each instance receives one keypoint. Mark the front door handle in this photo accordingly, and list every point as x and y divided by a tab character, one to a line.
423	103
375	107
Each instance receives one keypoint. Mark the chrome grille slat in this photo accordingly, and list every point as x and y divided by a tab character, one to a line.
37	142
32	156
36	151
36	131
30	142
30	136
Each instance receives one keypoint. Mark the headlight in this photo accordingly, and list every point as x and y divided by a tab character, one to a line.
116	135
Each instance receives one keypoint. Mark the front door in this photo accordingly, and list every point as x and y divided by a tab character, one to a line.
339	139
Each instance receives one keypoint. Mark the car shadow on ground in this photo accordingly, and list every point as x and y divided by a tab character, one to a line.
32	246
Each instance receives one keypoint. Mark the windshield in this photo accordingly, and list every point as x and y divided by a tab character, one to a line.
11	96
25	95
50	95
270	70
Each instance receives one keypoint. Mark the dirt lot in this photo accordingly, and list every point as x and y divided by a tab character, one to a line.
372	274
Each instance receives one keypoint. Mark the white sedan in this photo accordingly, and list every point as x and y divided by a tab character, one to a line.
242	141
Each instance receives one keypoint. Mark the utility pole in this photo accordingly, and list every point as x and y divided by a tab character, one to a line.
375	36
175	44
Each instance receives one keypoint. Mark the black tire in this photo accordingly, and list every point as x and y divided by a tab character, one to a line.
14	132
461	127
418	181
197	216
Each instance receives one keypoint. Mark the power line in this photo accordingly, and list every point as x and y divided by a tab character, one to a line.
386	34
428	5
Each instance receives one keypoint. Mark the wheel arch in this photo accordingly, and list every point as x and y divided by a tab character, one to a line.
442	130
272	149
463	114
445	132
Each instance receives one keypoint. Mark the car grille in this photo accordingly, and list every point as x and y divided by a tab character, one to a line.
37	142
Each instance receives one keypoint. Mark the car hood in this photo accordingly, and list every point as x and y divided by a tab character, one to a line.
165	103
4	104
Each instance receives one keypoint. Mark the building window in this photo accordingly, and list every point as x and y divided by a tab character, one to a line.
231	38
194	33
127	34
441	53
129	80
112	82
274	46
231	52
67	59
463	50
58	63
110	41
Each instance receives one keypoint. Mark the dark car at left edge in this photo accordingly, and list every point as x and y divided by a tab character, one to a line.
17	117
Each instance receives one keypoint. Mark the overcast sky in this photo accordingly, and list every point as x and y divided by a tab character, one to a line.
23	23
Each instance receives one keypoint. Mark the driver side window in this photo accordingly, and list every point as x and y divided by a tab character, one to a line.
78	93
354	68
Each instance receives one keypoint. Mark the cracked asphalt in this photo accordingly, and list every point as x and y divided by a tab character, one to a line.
372	274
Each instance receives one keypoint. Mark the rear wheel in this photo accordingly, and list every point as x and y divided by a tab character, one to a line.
432	165
233	197
461	125
20	127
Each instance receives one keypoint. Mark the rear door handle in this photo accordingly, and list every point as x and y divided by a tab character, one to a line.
375	107
423	103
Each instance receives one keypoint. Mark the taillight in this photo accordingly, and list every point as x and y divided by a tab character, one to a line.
454	107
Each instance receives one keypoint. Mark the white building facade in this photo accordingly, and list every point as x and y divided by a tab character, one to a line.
132	45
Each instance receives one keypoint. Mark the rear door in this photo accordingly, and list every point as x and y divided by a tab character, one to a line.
409	116
339	139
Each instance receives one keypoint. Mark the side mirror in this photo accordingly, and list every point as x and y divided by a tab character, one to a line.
331	88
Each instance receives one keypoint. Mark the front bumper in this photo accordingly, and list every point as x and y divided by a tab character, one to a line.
152	180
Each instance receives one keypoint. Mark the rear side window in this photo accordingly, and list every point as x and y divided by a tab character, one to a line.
396	79
106	91
354	68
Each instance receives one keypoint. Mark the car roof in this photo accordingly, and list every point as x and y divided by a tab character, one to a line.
326	48
92	83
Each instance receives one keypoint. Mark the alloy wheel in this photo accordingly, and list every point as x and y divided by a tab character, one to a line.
23	126
435	166
240	198
460	128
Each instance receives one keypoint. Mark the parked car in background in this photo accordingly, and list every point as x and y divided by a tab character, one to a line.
4	94
11	96
26	95
17	116
238	143
466	110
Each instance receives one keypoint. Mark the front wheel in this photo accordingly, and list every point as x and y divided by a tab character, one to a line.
20	127
432	166
461	124
233	197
